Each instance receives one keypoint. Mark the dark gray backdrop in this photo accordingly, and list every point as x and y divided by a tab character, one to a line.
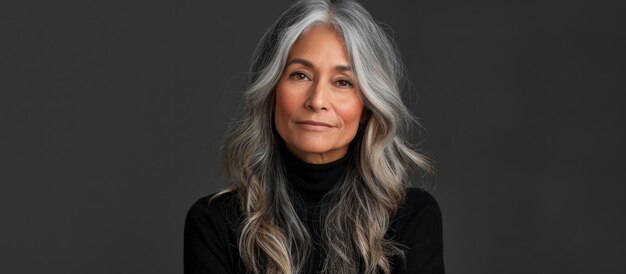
112	114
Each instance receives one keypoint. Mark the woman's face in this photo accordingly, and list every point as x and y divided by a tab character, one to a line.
318	108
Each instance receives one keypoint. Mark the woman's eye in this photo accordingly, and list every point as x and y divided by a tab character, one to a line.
344	83
299	76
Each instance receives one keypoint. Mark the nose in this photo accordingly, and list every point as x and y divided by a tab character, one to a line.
317	99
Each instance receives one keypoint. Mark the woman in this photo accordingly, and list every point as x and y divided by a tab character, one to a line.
318	166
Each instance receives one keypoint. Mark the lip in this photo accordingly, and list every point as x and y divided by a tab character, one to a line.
314	125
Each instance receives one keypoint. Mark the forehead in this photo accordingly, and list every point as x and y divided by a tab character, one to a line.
320	42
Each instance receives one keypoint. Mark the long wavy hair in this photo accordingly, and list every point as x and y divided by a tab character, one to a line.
272	238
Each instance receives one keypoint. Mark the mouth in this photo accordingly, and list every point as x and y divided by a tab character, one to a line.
314	123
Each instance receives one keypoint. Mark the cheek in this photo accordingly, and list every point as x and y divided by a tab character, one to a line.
350	113
283	108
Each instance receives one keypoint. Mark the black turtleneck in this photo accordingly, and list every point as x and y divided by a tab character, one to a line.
309	184
210	244
313	181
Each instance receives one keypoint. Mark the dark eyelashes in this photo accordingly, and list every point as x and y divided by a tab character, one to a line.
346	83
301	76
298	75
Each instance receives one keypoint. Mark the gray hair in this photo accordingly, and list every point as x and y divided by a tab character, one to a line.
272	238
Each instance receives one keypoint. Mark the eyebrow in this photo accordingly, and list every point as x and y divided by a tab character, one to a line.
308	64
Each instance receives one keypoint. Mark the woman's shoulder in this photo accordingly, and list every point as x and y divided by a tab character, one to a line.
217	200
420	210
419	199
221	208
418	227
209	234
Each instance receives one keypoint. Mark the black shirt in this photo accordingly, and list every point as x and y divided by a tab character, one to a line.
210	244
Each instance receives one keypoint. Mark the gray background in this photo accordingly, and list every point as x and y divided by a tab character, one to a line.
112	112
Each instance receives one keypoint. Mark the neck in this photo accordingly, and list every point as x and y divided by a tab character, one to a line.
313	181
318	158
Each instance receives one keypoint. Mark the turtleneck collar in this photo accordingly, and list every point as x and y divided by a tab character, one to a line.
313	181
